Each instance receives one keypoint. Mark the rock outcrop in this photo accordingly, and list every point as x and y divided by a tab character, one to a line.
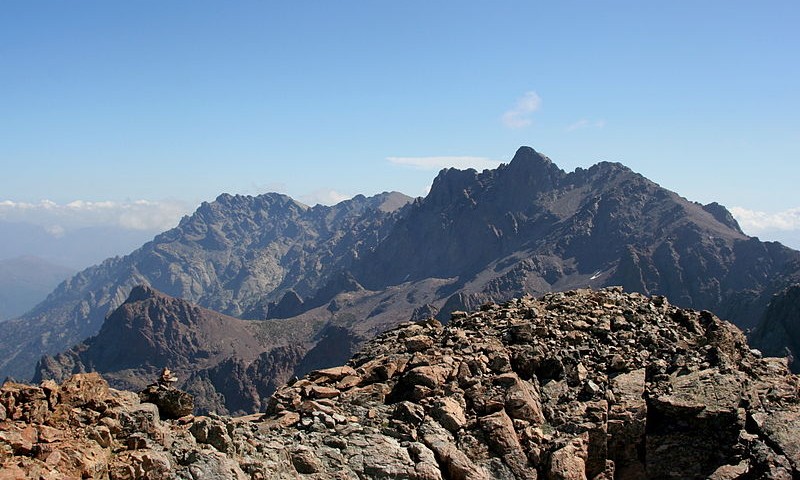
576	385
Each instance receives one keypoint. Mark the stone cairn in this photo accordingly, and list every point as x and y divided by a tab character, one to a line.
172	402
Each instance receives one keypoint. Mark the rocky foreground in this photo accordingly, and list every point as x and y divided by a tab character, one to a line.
583	384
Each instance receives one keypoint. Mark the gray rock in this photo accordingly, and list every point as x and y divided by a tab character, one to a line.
691	400
171	402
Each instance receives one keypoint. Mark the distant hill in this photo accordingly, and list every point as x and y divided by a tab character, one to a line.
151	330
26	281
358	267
77	248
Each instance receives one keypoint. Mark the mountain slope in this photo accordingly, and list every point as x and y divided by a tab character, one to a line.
230	365
778	333
151	330
234	255
525	227
530	227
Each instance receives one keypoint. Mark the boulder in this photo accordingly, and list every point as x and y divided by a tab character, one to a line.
171	402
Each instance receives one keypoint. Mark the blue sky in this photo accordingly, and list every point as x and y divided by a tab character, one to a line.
108	103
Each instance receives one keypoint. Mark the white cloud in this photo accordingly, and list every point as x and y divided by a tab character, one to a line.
324	196
585	123
58	218
437	163
55	230
756	221
521	115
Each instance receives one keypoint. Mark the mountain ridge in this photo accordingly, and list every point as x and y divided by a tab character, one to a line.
151	330
525	227
233	255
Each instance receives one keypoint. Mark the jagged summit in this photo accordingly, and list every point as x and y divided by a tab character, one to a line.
722	215
352	269
596	384
142	292
529	162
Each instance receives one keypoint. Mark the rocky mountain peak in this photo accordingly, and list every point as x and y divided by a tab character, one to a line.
530	169
581	384
141	293
526	158
151	330
722	215
524	227
451	184
391	201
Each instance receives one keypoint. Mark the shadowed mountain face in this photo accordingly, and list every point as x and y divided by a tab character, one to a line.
778	333
230	365
525	227
530	227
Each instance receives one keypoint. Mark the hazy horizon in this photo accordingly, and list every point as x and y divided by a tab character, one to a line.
128	115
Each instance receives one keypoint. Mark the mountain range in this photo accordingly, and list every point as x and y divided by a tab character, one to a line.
340	275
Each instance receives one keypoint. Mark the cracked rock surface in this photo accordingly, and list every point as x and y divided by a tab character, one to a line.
576	385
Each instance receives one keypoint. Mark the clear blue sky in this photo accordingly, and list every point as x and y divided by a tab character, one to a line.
128	100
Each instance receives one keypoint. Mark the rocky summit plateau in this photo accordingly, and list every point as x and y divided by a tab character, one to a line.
582	384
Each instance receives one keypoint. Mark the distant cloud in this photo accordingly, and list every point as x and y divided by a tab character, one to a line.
757	222
56	231
584	123
521	115
437	163
58	218
324	197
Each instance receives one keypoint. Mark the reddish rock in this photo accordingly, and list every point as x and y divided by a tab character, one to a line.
332	374
569	462
500	434
419	343
84	389
305	461
427	376
449	413
172	403
349	381
49	434
522	400
318	391
20	438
